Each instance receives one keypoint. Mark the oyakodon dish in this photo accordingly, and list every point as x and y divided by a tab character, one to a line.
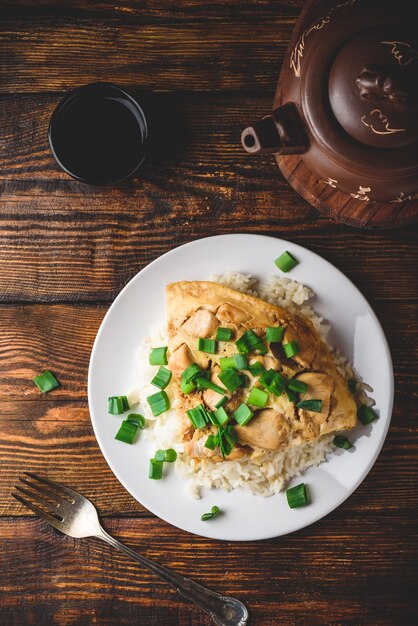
271	385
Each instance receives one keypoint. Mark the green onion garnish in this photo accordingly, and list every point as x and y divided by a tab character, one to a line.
366	415
224	334
241	362
291	348
158	403
117	405
203	383
310	405
286	262
198	416
212	417
46	381
291	395
297	385
273	382
215	510
250	341
190	373
210	442
137	419
245	381
274	334
256	368
158	356
162	378
206	345
342	442
160	456
221	416
221	402
127	432
227	362
187	388
230	379
226	438
297	496
170	455
352	385
155	469
258	397
243	414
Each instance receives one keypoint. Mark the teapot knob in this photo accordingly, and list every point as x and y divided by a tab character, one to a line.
374	84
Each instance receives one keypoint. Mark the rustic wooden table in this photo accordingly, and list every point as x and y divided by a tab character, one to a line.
66	250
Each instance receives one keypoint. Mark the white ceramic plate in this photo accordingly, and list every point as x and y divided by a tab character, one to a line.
141	305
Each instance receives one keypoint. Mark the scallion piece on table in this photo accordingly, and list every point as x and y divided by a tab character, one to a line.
198	416
170	455
297	385
206	345
241	362
352	385
215	510
230	378
221	402
160	456
190	373
203	383
162	378
224	334
342	442
221	416
158	356
210	442
310	405
227	362
116	405
46	381
155	469
366	414
187	388
290	349
256	368
286	262
243	414
274	334
127	432
137	419
297	496
258	397
158	403
250	341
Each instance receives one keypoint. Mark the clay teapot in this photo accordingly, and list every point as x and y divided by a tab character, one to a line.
347	100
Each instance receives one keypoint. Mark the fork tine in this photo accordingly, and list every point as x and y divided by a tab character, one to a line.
55	498
46	516
34	496
57	486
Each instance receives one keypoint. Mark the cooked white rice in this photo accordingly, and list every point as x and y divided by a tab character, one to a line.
266	473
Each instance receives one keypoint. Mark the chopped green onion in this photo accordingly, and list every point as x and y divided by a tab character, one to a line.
274	334
297	385
117	405
158	403
190	373
292	395
310	405
155	469
352	385
137	419
158	356
297	496
46	381
212	417
206	345
210	442
273	382
258	397
227	362
286	262
187	388
256	368
245	381
205	373
230	379
162	378
160	456
170	455
127	432
243	414
291	348
221	402
203	383
250	341
198	416
215	510
366	414
224	334
241	362
342	442
221	416
226	438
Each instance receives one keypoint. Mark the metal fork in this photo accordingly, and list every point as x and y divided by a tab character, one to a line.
74	515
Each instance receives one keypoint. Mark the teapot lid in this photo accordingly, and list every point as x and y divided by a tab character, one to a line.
373	86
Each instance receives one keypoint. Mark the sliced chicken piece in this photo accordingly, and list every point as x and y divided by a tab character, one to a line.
307	340
320	387
343	408
232	314
203	323
179	360
268	430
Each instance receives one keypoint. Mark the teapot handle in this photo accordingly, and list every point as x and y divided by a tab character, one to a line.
282	132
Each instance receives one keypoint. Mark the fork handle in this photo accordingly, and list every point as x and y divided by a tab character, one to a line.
224	611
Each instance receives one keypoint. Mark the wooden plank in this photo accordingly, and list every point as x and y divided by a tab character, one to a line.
56	55
339	571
